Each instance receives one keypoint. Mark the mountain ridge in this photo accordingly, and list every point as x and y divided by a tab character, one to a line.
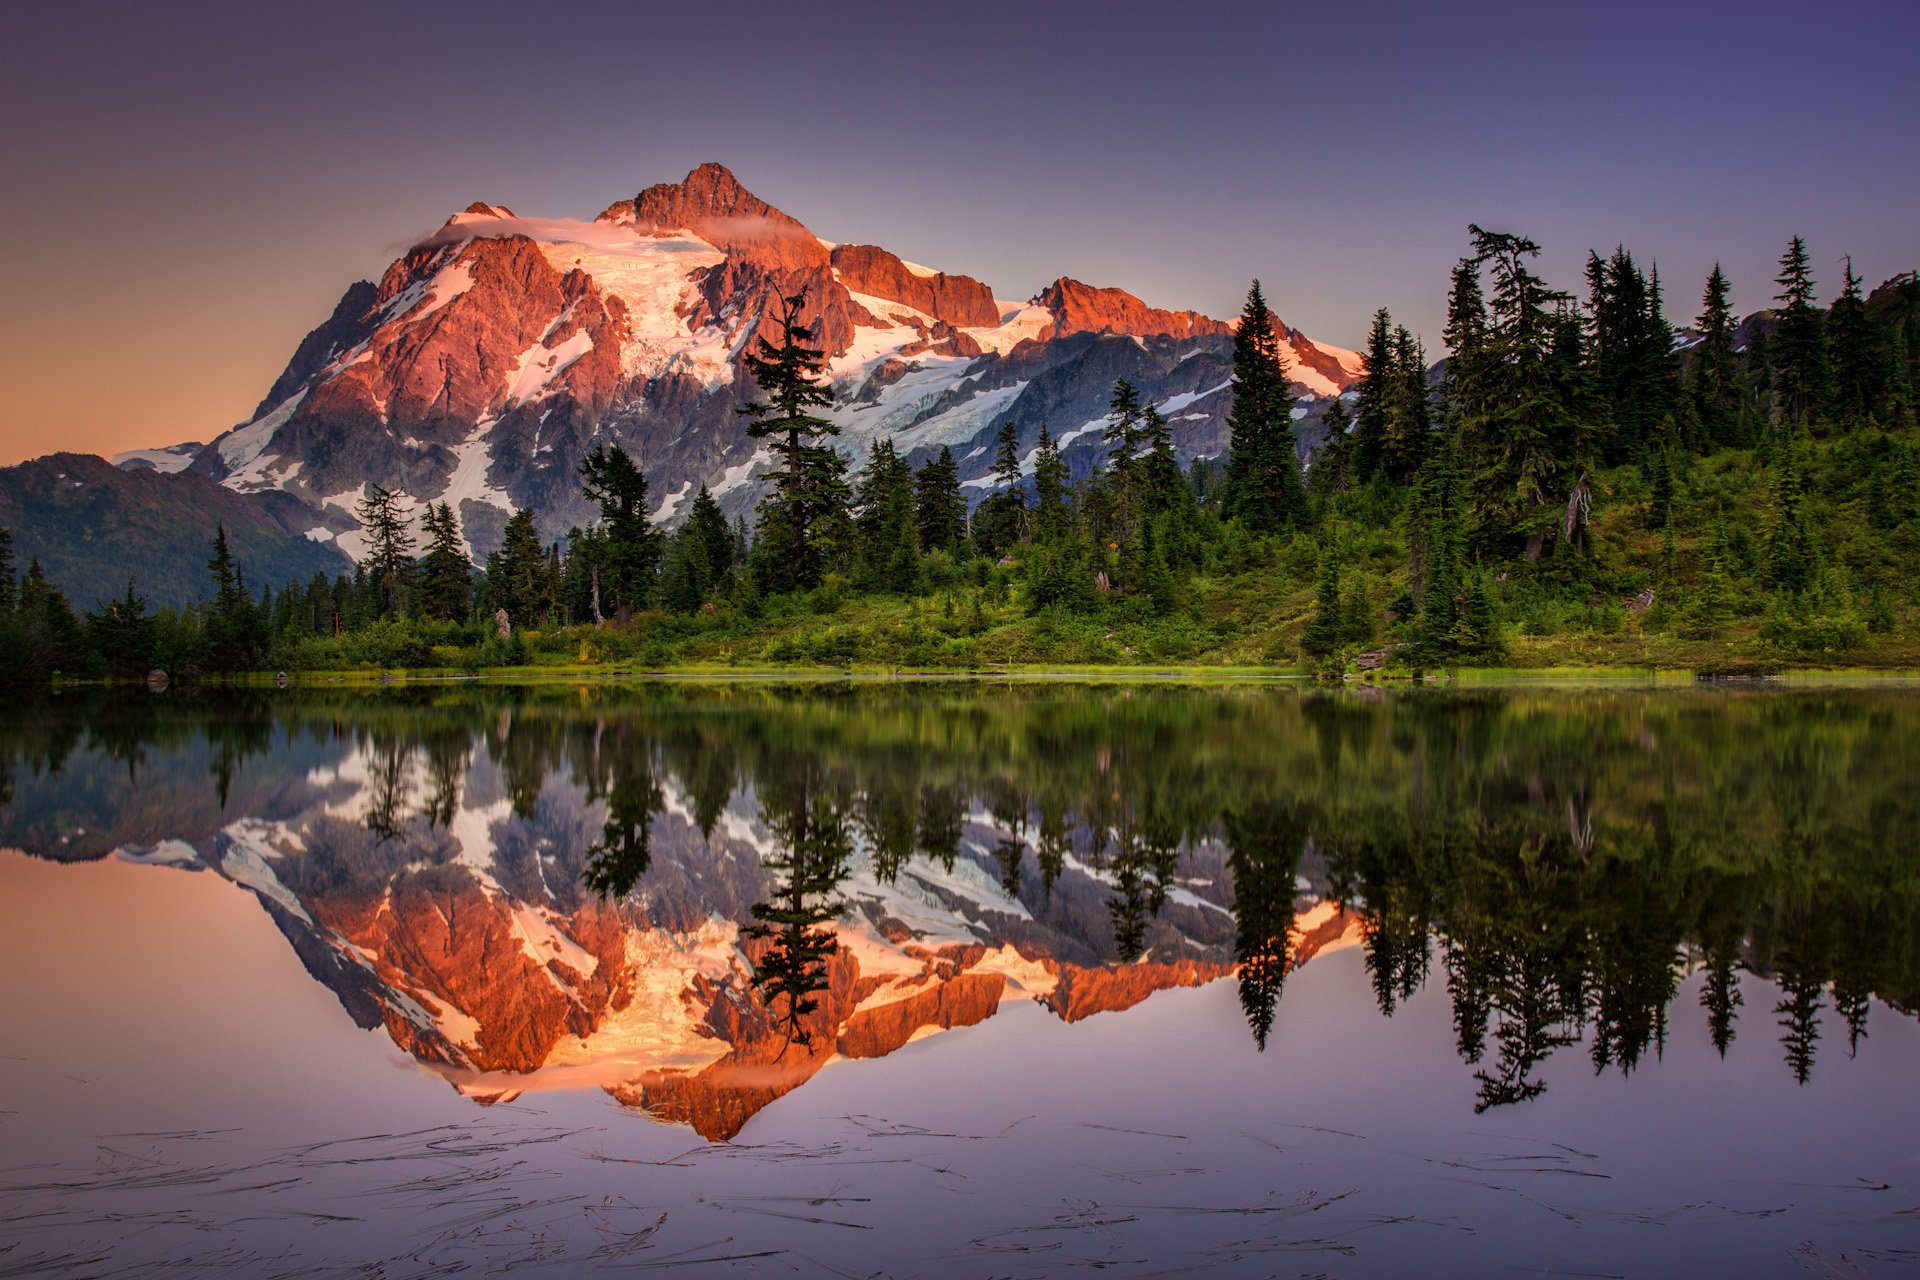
494	352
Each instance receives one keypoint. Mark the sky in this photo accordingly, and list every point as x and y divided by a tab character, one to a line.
190	187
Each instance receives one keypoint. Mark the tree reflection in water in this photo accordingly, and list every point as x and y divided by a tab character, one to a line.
1559	860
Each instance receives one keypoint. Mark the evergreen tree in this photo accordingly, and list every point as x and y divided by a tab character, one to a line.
1372	396
1408	421
389	555
1334	463
446	576
811	830
123	634
1002	520
1052	519
939	505
630	548
1323	630
1857	360
708	528
517	574
788	374
235	639
1791	559
888	526
1798	349
1518	434
1264	487
1715	376
1162	488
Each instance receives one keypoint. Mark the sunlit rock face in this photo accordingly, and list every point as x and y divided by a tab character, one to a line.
493	353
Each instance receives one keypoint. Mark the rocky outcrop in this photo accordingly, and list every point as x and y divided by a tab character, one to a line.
1083	991
441	939
1082	308
961	301
711	203
959	1001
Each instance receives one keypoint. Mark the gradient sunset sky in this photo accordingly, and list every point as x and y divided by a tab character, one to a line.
190	187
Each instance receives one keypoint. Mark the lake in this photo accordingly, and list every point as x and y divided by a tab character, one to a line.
961	979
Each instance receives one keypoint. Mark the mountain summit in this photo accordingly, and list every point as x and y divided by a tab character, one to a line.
493	354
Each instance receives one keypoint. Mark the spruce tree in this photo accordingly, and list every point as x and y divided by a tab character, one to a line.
1322	634
1372	396
1052	519
1407	418
789	375
446	575
123	634
1857	359
707	533
517	573
1003	519
939	505
235	638
1264	487
1798	349
1791	557
1518	431
630	548
389	554
1334	461
888	529
1715	375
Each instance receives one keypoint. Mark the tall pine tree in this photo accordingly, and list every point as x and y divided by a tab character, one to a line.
1264	487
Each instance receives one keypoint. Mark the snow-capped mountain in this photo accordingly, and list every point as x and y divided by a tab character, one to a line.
492	354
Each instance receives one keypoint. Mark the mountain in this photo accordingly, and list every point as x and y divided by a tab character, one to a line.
495	352
92	525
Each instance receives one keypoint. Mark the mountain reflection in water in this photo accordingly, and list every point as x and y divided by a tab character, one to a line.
695	897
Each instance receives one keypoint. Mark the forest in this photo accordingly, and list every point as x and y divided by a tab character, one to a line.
1577	484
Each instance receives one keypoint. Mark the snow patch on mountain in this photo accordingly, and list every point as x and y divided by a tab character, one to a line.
540	366
244	448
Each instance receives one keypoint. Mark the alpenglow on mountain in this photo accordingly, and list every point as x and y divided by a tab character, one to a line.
495	353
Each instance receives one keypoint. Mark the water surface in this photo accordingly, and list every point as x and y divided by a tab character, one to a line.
951	979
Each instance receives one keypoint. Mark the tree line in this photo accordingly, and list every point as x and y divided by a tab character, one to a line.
1571	463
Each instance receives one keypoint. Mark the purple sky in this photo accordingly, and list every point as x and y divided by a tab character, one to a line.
190	187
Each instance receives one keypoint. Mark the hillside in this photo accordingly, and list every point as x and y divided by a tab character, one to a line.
93	525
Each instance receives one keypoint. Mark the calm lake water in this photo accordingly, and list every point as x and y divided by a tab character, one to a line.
952	979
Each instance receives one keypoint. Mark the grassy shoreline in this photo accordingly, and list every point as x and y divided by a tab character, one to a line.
1045	673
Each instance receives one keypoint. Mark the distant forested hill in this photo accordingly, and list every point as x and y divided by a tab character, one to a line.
92	526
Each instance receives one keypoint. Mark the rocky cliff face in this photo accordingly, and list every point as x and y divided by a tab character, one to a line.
489	357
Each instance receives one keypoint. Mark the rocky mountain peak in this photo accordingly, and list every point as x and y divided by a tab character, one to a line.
1084	308
711	203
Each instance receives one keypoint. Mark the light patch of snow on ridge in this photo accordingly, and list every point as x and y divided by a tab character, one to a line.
1018	322
177	457
468	483
539	367
243	449
671	503
320	533
1173	404
249	861
925	273
884	310
735	476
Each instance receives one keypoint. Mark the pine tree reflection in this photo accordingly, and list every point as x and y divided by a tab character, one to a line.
811	829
